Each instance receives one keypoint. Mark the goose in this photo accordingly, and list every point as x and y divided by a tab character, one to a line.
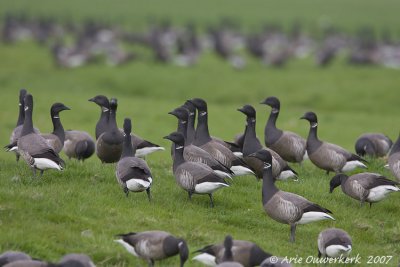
366	187
143	147
76	260
154	245
57	137
227	258
286	207
334	243
244	252
78	144
251	144
109	143
394	159
194	177
373	144
133	173
16	133
195	153
216	149
327	156
290	146
10	256
276	262
31	263
33	148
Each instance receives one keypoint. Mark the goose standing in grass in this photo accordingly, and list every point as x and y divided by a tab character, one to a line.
33	148
57	137
194	177
16	133
366	187
290	146
244	252
215	148
251	144
10	256
286	207
394	159
328	156
373	145
154	246
109	143
334	243
132	173
195	153
78	144
227	258
104	104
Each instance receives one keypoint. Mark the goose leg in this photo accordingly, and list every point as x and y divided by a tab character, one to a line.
151	263
190	192
292	232
17	157
211	200
327	172
41	173
319	254
34	172
148	193
126	191
370	204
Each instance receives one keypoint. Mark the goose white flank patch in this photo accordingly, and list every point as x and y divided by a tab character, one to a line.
314	216
142	152
241	170
335	251
351	165
208	187
44	164
127	246
205	259
334	243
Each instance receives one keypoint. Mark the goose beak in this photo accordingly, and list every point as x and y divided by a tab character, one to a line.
167	137
241	110
91	99
264	102
302	118
66	108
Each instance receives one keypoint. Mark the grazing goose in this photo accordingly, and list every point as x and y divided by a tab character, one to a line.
227	258
251	144
215	148
328	156
76	260
366	187
275	262
290	146
286	207
244	252
195	153
109	143
16	133
194	177
154	245
33	147
78	144
334	243
373	144
57	137
31	263
132	173
394	159
10	256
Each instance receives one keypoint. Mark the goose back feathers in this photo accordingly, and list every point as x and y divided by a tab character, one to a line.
78	144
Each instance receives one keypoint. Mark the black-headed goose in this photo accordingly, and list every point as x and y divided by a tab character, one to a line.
16	133
109	143
215	148
328	156
104	104
195	153
246	253
78	144
365	187
194	177
133	173
10	256
227	258
280	170
334	243
290	146
394	159
373	145
33	148
57	137
154	246
286	207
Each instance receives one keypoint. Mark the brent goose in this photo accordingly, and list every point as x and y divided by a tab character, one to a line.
373	145
334	243
78	144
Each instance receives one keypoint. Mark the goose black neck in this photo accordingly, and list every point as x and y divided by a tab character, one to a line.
112	121
21	115
251	144
178	156
128	149
202	134
190	132
270	129
103	122
27	127
182	128
58	129
268	187
313	133
396	146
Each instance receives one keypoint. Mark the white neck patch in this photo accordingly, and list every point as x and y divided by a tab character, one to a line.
179	147
26	108
267	165
275	110
56	117
105	109
203	113
253	120
183	122
191	114
19	104
313	125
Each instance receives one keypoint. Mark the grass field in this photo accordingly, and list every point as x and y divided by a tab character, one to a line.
83	207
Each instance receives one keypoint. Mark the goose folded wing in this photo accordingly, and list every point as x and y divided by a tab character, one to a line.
305	204
51	155
377	180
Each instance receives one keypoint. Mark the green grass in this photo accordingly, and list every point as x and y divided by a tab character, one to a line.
83	207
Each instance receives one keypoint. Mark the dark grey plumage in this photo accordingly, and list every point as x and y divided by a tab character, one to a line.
29	263
76	260
334	243
154	246
394	159
286	207
328	156
290	146
78	144
373	145
10	256
193	177
365	187
227	258
133	173
57	137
